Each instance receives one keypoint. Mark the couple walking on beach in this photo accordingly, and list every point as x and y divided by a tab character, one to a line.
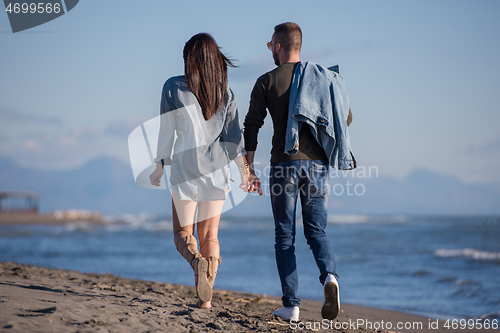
310	111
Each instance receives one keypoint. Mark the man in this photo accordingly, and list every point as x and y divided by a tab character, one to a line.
304	174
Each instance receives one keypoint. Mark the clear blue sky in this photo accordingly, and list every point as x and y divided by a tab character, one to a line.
423	76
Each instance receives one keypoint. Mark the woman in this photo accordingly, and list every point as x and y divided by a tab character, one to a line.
201	109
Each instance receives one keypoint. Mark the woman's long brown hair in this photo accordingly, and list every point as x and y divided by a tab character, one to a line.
205	70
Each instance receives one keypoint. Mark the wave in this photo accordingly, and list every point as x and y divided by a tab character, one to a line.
468	253
490	317
360	219
144	221
151	222
128	218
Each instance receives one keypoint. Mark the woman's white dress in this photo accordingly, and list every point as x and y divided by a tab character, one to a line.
198	151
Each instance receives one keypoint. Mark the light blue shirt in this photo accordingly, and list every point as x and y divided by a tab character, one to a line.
316	92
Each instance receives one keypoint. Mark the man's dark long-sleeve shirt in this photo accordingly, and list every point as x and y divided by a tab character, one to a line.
272	92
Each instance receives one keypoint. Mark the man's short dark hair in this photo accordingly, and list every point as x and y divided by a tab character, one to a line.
289	35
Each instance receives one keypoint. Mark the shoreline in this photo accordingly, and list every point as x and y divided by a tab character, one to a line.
62	217
41	299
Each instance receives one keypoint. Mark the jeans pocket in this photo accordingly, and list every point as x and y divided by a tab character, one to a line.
318	180
320	167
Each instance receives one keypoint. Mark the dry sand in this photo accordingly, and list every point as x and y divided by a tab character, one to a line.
37	299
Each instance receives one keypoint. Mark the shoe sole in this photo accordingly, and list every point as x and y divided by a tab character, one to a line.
204	289
331	307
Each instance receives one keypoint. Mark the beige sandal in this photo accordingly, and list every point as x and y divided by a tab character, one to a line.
213	263
188	247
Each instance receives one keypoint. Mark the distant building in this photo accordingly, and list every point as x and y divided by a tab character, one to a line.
19	201
76	214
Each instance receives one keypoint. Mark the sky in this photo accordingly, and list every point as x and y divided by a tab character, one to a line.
423	77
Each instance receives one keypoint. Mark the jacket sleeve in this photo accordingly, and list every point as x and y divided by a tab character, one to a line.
166	135
232	132
336	70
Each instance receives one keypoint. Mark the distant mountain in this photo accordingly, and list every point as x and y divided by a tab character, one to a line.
104	184
107	185
422	192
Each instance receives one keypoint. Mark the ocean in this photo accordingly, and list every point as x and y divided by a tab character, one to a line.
441	267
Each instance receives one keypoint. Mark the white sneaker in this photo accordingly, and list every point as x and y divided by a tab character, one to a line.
331	307
291	313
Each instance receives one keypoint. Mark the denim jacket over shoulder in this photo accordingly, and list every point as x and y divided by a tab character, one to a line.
318	98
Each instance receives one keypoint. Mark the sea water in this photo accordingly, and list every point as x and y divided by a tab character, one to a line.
443	267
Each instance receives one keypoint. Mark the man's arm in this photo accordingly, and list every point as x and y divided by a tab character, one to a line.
254	120
349	118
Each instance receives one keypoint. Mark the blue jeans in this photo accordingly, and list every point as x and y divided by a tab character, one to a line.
309	180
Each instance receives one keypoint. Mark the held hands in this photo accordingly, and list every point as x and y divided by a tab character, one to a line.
254	184
250	182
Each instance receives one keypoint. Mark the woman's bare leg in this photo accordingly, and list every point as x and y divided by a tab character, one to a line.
183	213
208	227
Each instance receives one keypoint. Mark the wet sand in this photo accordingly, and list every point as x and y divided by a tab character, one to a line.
38	299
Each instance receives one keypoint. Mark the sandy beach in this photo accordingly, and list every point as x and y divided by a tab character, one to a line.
38	299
